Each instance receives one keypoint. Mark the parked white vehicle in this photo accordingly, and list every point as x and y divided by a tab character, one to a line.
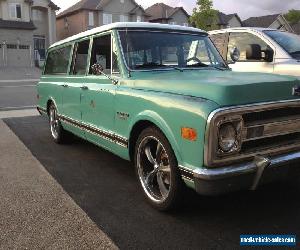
259	50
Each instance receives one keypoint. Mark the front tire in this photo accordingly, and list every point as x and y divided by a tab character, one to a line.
58	133
157	170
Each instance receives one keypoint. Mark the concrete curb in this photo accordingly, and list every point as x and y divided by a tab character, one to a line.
18	113
35	211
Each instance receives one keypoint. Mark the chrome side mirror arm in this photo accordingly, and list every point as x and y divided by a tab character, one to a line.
97	69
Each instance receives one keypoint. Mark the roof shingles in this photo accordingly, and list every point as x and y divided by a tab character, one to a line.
160	11
83	4
262	21
87	5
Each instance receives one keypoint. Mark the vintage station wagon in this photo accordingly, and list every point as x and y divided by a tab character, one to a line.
163	97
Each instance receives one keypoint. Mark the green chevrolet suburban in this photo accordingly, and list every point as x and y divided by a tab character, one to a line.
162	97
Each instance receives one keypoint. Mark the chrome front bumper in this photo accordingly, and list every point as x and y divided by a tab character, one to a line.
247	175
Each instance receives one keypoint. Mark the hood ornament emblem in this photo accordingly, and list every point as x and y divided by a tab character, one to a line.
296	91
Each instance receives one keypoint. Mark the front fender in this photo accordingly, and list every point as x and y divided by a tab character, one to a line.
158	121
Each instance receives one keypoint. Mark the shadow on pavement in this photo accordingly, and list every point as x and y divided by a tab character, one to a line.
105	187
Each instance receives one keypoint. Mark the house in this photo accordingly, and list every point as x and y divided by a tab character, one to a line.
27	28
229	21
162	13
276	21
87	14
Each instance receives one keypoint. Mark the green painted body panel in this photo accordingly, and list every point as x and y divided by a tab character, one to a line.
169	99
226	88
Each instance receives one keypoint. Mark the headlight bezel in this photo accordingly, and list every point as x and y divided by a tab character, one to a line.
237	126
213	153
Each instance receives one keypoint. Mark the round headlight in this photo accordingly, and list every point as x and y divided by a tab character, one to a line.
227	137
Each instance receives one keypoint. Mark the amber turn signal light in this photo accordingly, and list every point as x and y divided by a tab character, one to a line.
189	134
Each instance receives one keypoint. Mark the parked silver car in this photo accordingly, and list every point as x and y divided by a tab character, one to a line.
259	50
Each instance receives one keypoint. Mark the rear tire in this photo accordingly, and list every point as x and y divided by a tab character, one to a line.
157	170
58	133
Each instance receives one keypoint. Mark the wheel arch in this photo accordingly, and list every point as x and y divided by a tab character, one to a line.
49	101
145	120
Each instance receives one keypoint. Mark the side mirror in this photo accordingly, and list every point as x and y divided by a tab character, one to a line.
253	52
235	54
269	55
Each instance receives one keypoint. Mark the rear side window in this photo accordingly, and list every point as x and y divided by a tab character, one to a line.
58	61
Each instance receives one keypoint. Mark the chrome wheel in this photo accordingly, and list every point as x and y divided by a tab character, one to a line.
54	122
154	169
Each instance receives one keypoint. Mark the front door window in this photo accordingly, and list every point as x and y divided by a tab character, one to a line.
241	41
101	54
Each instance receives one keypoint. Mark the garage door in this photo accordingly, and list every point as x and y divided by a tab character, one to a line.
18	55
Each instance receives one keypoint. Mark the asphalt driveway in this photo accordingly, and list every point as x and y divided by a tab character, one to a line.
105	187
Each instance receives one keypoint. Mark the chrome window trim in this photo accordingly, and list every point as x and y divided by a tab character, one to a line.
208	150
163	69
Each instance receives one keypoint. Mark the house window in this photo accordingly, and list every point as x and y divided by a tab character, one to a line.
37	15
11	46
172	23
39	48
123	18
107	18
15	11
91	18
138	18
23	46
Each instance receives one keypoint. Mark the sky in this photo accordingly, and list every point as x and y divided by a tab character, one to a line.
245	8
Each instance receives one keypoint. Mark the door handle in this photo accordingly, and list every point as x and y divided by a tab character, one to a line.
65	85
84	87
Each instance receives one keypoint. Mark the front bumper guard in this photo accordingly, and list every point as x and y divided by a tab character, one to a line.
245	176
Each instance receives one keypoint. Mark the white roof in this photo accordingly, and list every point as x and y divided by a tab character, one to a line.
127	25
239	28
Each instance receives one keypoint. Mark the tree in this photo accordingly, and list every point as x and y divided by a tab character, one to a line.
204	16
293	16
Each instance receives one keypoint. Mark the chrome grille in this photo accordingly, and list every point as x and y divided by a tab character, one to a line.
267	129
269	115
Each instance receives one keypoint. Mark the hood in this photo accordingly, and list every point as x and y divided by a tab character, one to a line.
225	88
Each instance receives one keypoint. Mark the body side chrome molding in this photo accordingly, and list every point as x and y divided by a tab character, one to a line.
120	140
115	138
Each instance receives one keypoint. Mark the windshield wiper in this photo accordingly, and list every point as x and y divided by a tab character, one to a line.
150	65
177	68
220	68
203	65
153	65
199	64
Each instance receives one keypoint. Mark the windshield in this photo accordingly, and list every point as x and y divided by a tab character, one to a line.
149	50
288	41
